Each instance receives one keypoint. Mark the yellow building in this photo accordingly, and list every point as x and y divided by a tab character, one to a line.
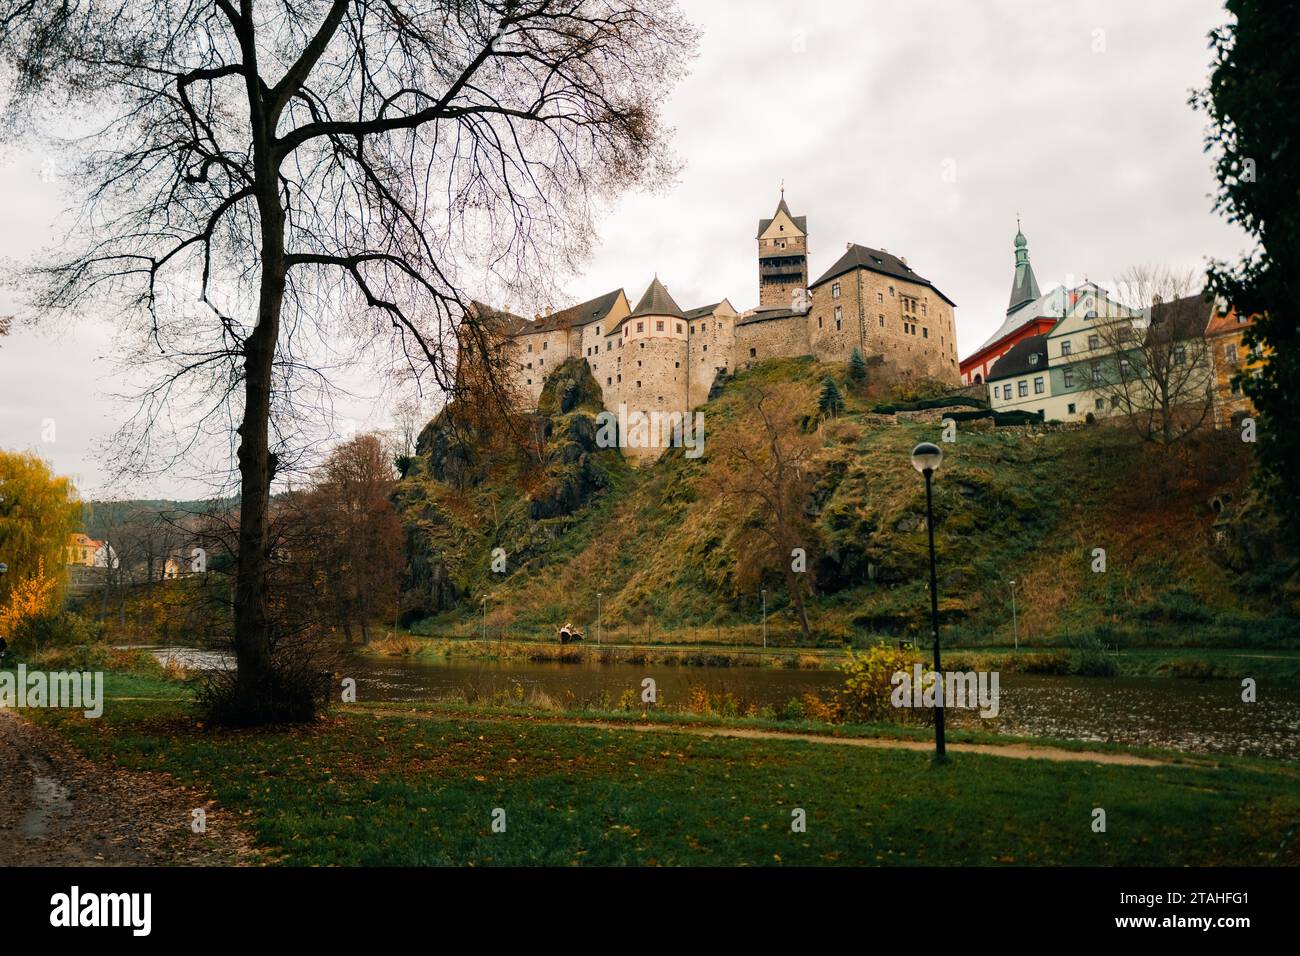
1230	355
82	549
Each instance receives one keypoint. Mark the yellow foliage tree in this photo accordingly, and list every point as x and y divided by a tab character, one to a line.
28	598
38	511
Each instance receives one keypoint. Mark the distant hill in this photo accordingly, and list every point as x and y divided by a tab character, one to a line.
1190	554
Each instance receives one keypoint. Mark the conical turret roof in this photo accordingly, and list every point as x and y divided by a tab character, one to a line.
657	301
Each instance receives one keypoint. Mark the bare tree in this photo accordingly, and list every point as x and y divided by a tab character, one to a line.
277	187
1155	366
762	470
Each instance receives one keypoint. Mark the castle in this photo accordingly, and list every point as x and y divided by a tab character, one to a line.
657	357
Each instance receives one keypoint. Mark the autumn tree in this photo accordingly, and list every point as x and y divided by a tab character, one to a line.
38	511
762	471
357	555
270	188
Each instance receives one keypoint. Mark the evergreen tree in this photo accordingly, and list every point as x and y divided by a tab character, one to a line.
1255	130
857	369
831	403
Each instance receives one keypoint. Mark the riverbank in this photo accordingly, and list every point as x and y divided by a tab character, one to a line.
424	785
1182	662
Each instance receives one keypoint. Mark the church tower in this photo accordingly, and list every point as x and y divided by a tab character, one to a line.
782	257
1024	287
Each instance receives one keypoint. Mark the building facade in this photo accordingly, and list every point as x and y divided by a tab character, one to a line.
1231	357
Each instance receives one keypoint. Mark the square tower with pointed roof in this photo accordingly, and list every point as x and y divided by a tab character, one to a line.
782	257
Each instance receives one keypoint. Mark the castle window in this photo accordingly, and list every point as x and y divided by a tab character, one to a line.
923	310
1065	347
1068	377
620	378
1038	385
839	311
638	384
1094	341
891	291
835	290
880	297
753	353
530	346
642	345
882	320
1230	354
640	326
1022	388
541	361
1006	391
638	363
706	348
544	344
925	333
530	381
1033	359
837	325
677	365
598	330
609	380
1070	408
610	345
819	321
679	328
659	326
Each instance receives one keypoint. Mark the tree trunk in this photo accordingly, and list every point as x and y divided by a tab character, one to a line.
792	584
254	693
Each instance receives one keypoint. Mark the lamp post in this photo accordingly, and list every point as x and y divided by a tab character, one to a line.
764	618
1015	626
925	459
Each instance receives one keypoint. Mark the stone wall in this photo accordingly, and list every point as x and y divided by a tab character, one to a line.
770	338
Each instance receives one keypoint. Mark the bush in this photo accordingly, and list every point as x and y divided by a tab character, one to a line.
62	629
868	683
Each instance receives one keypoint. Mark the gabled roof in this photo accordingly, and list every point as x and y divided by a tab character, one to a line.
765	313
876	260
1228	321
801	222
701	311
1027	355
657	301
1184	318
575	316
1051	306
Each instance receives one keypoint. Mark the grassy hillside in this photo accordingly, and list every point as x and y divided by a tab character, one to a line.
1025	503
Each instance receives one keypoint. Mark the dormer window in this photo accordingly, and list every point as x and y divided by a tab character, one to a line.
1033	359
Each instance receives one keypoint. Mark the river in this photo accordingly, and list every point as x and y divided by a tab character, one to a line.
1188	715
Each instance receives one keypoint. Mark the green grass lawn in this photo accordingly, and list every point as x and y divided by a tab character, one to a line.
420	789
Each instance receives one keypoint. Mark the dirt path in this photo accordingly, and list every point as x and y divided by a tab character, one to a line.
1015	751
57	808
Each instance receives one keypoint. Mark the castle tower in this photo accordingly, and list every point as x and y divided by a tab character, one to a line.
1024	287
782	256
653	360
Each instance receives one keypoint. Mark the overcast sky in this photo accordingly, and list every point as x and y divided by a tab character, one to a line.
922	128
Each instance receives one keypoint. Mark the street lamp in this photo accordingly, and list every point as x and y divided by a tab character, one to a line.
764	618
926	458
1015	626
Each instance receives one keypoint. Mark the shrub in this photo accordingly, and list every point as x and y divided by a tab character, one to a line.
793	709
61	629
868	683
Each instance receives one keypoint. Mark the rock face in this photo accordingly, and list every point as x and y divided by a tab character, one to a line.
460	498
